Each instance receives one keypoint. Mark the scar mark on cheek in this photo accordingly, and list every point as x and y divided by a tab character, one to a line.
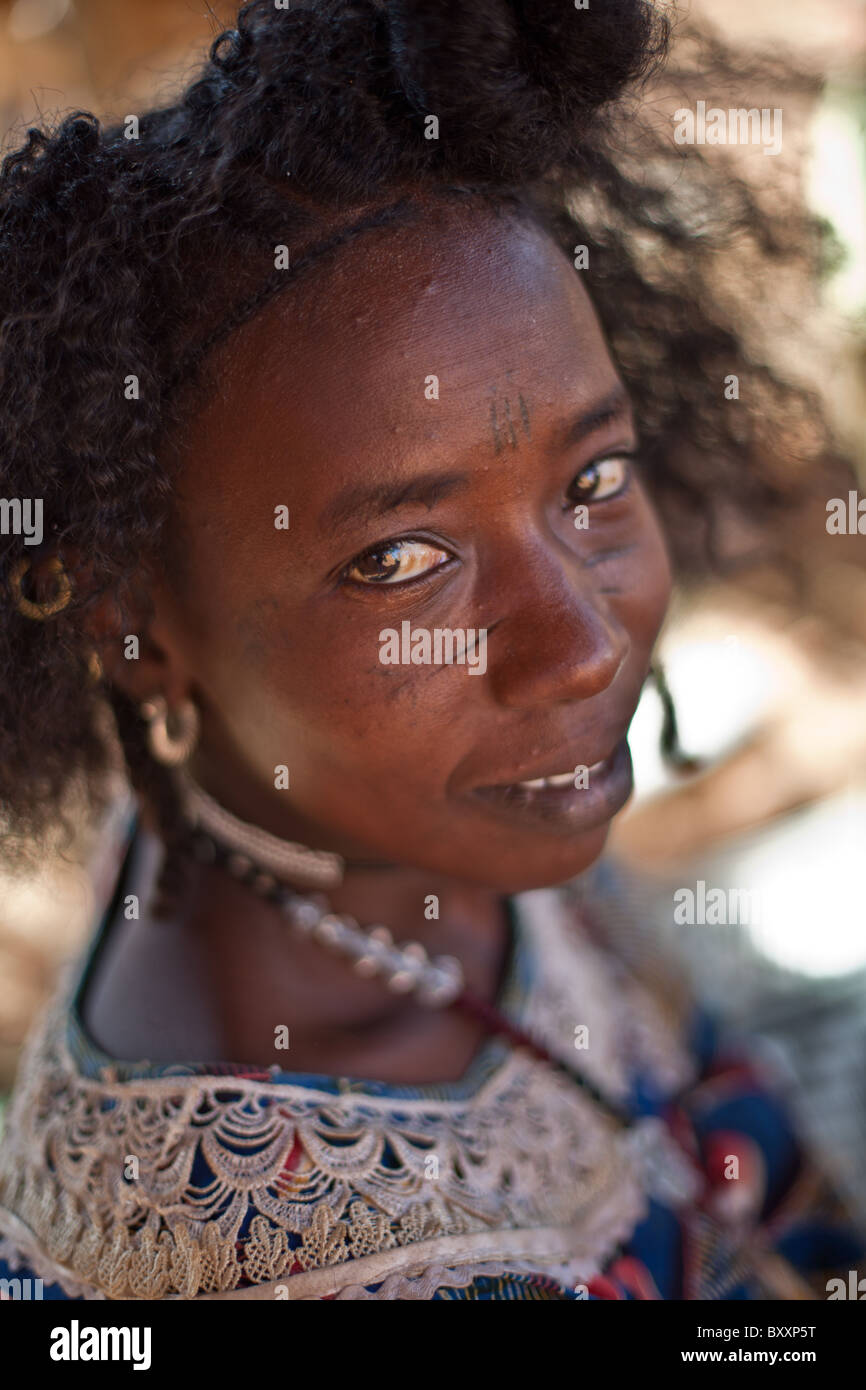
257	624
398	684
524	415
497	442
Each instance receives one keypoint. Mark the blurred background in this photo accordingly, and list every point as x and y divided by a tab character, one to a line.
771	698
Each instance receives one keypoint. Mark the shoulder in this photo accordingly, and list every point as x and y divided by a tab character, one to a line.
605	990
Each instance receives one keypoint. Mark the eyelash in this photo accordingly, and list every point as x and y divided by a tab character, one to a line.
383	546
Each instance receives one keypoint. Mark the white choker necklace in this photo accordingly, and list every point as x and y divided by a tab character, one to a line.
284	858
261	860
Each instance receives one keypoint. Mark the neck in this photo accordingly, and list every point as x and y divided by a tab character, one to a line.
259	973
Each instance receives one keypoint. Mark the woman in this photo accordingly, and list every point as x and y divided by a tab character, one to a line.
333	406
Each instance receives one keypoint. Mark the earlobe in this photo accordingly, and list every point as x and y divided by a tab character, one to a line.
129	660
138	665
128	647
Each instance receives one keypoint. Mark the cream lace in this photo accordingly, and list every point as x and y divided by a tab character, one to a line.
248	1189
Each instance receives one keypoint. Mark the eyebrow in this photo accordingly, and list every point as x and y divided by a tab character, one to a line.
366	501
616	405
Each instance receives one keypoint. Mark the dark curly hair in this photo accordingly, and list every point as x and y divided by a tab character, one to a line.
308	127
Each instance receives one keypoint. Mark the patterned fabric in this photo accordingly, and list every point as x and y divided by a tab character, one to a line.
196	1180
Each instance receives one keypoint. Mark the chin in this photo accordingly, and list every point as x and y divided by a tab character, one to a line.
522	871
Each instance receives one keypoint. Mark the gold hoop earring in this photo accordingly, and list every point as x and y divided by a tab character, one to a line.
39	612
170	746
95	669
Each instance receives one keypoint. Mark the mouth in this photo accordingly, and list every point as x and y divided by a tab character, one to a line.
581	797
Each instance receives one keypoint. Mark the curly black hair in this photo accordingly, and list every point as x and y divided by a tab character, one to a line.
133	253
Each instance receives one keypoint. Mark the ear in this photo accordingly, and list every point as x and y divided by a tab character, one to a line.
133	634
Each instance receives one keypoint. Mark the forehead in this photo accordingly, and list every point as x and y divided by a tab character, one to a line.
399	347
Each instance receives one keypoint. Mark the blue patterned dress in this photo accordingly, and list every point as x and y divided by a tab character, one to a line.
195	1180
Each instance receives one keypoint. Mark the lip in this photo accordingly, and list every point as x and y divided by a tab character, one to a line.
609	786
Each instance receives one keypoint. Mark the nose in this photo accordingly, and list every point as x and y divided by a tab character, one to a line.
561	641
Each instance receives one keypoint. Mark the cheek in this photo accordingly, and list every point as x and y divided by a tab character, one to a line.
648	584
317	698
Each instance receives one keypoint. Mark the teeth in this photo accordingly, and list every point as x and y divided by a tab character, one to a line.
562	779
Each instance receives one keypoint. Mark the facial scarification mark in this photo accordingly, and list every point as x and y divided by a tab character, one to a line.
512	436
497	443
504	425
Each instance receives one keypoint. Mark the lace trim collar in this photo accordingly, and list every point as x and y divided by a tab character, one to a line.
226	1186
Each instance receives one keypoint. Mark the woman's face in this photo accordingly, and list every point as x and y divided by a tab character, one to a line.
431	413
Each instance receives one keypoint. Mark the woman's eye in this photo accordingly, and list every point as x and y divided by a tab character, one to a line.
395	562
604	478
